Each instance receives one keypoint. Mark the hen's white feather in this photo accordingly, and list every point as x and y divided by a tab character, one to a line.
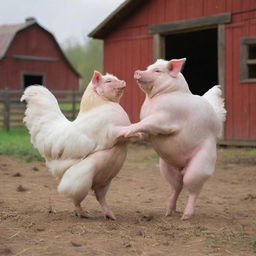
214	97
61	142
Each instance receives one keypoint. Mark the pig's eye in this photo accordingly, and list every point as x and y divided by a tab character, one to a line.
158	71
108	81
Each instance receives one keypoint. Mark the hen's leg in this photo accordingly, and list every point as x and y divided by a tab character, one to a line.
101	197
79	211
76	183
174	177
199	169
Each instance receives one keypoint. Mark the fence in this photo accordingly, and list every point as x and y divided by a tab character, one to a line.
12	110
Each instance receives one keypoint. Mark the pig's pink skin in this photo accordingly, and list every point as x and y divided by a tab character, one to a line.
182	128
108	87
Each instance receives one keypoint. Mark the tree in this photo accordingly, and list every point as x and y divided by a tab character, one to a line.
85	58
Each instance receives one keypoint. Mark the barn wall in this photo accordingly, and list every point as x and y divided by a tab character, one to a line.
122	58
129	47
240	97
36	42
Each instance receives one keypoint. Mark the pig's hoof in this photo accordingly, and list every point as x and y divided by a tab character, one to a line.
171	213
168	213
82	214
110	216
186	217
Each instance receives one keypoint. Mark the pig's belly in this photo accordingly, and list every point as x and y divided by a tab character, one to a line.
109	164
174	150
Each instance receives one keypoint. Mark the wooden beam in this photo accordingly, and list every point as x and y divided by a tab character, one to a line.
239	143
115	18
167	28
25	57
250	62
221	61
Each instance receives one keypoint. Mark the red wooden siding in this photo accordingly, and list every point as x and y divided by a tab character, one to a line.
122	58
240	97
34	41
129	47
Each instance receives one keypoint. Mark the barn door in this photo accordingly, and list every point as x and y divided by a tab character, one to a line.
202	41
201	50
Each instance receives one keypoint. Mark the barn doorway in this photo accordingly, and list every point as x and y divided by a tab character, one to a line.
201	50
32	79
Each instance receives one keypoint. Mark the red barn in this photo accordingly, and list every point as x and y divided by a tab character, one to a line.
29	54
218	38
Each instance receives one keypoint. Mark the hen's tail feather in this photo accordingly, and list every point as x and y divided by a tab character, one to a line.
42	111
214	97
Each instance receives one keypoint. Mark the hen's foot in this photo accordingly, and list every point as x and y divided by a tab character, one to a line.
110	215
81	213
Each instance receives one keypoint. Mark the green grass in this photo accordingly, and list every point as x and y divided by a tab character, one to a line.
152	158
253	245
66	106
236	155
17	142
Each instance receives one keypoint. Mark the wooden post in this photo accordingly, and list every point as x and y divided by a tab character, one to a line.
6	110
158	47
221	57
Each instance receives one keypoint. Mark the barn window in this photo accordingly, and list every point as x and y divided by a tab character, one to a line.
32	79
248	60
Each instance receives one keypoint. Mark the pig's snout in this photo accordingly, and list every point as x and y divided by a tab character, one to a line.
138	74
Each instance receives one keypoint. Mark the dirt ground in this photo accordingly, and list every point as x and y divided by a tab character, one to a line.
35	220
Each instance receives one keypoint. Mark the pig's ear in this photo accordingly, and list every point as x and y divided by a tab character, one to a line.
175	66
96	78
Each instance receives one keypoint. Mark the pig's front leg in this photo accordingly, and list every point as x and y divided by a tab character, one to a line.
153	125
118	132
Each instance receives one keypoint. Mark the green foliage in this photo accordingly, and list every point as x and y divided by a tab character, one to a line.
17	142
253	245
85	58
152	158
237	155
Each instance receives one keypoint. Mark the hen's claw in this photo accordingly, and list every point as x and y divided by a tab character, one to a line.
81	213
110	216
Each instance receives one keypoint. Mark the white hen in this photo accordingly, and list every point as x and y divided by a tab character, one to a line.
79	145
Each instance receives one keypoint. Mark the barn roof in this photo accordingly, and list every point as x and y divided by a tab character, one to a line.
8	33
118	15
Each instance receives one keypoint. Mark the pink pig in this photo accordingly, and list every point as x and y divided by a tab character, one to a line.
183	128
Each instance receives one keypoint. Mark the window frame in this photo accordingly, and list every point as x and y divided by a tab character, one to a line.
245	42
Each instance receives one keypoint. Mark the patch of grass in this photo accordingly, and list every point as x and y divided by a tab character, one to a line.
253	245
152	158
222	239
66	106
237	155
17	142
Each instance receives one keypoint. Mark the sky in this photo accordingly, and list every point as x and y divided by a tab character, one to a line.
68	20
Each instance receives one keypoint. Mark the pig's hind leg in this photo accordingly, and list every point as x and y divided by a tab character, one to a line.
174	177
199	169
76	183
101	197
